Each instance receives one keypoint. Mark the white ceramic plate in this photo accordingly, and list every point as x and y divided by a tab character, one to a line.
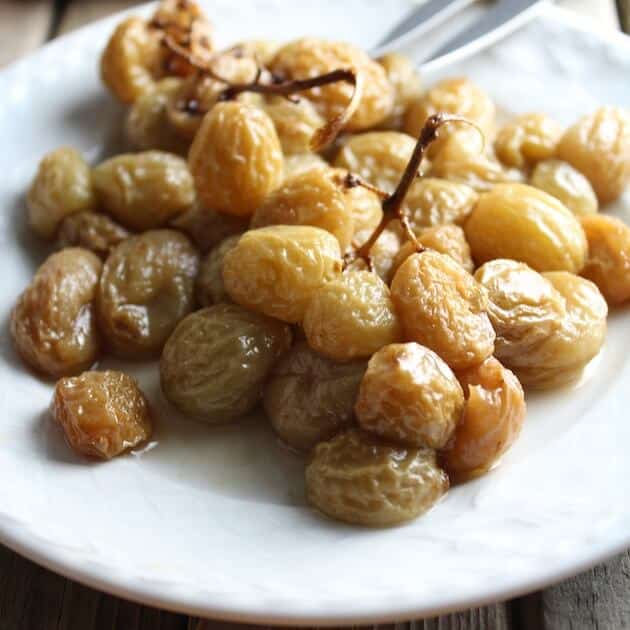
213	522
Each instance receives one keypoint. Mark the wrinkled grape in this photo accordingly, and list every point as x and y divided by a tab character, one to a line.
215	362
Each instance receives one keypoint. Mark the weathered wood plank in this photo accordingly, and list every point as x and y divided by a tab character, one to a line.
495	617
80	12
32	598
24	25
599	598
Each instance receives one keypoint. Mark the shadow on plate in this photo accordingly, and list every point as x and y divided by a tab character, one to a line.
48	436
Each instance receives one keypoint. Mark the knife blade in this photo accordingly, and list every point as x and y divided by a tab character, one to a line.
423	19
500	14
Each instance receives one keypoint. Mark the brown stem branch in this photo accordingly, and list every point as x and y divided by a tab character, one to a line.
265	83
326	134
393	204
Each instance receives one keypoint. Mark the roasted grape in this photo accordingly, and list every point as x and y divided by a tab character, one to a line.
131	61
197	95
275	270
410	396
147	125
403	77
433	201
146	287
561	357
62	186
309	57
52	324
309	398
351	317
445	239
90	230
452	96
358	478
527	139
524	307
492	420
295	123
563	182
598	145
317	198
608	261
442	307
215	362
144	190
523	223
236	158
103	414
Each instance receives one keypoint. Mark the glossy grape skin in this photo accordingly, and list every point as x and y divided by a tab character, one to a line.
53	325
562	181
316	197
442	307
209	287
103	414
598	145
608	261
61	187
309	398
561	358
214	364
379	157
131	59
492	421
351	317
146	287
524	307
527	139
308	57
143	191
410	396
360	479
275	270
525	224
407	85
236	158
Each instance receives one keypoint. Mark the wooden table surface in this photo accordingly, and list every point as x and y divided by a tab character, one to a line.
32	598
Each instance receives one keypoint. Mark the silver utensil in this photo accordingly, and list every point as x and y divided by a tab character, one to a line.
498	18
421	20
500	14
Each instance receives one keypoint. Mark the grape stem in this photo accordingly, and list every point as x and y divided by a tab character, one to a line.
393	204
266	83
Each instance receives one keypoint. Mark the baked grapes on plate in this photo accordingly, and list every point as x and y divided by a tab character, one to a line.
384	270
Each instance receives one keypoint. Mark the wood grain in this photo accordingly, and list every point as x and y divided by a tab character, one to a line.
494	617
24	25
599	598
